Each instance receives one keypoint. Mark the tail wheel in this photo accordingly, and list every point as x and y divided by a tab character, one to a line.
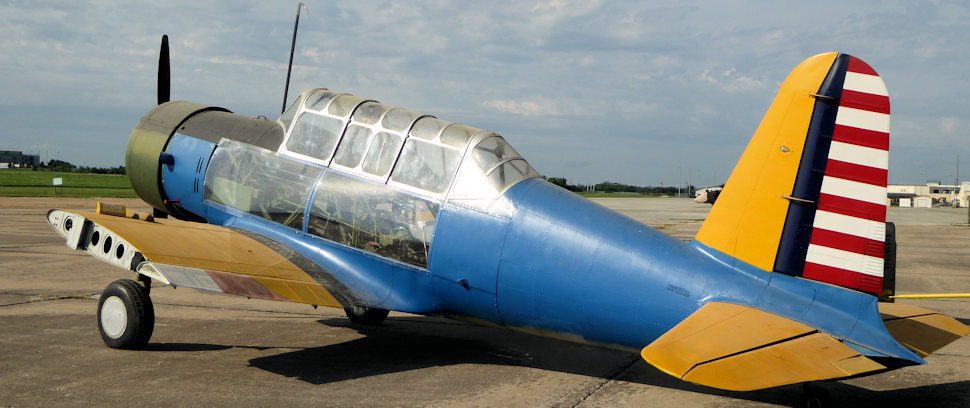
814	397
366	315
126	317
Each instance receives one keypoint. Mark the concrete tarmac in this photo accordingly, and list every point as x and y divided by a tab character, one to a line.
218	350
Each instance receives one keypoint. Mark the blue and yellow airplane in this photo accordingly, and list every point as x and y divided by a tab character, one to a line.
348	203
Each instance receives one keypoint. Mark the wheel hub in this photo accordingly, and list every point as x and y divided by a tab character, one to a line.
114	317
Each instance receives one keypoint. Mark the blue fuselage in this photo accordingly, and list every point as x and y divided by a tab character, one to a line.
556	265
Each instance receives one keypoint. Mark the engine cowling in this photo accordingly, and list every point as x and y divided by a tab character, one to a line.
148	145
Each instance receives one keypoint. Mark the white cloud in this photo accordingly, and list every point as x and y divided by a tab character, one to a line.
743	83
729	81
558	9
525	108
707	77
951	126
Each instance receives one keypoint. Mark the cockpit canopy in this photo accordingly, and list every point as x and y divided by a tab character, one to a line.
405	149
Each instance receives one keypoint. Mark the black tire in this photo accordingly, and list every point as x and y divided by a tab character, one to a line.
366	315
126	317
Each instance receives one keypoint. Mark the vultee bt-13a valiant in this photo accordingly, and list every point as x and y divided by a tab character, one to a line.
348	203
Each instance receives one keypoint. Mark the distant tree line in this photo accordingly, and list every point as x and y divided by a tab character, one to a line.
611	187
63	166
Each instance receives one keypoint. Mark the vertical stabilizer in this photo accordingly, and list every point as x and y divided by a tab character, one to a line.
808	197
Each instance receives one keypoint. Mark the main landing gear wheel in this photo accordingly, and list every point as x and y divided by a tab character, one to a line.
366	315
126	317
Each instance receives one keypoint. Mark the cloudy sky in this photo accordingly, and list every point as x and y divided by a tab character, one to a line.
633	92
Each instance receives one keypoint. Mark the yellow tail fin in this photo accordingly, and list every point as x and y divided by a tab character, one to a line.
808	197
747	219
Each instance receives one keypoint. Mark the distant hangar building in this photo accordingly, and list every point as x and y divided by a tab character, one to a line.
931	194
16	158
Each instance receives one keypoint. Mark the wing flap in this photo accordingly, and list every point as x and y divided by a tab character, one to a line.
921	330
739	348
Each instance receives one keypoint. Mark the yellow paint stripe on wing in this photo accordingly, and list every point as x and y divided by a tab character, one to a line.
748	218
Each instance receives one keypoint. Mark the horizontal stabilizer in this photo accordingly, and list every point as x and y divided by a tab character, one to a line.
740	348
195	255
921	330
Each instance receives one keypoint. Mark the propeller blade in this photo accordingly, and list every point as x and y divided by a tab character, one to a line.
164	73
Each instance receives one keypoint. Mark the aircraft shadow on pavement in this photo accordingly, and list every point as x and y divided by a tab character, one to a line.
408	343
955	394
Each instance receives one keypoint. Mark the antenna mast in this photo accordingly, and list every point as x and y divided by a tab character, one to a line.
289	68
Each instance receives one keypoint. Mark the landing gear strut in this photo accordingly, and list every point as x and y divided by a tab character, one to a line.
126	317
366	315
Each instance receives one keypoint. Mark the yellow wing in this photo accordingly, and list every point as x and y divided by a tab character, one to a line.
196	255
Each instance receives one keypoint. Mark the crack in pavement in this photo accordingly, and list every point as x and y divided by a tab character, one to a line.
32	298
607	380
